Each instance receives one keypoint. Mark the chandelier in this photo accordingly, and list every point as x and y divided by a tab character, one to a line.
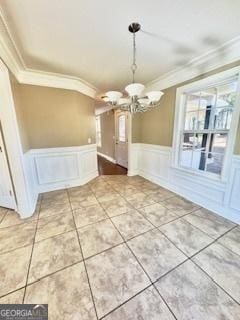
136	101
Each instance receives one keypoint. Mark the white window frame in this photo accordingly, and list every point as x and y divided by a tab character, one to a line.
180	117
98	131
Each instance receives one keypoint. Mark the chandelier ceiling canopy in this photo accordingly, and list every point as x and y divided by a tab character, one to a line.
136	101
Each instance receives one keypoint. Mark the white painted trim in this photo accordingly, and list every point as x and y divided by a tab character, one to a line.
179	120
82	148
154	163
100	110
229	52
7	193
26	200
133	159
156	148
106	157
56	80
60	168
11	56
8	50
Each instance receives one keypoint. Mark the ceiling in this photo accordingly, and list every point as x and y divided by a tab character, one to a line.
90	39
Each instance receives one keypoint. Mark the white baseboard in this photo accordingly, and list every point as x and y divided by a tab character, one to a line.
154	163
68	183
106	157
132	173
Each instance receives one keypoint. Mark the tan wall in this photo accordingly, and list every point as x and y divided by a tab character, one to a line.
54	117
108	133
136	128
19	114
157	125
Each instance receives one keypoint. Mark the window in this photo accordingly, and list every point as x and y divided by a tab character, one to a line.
98	132
206	121
122	128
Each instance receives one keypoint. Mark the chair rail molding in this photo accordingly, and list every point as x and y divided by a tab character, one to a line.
154	163
59	168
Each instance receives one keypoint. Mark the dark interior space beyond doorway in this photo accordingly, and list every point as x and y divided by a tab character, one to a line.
106	167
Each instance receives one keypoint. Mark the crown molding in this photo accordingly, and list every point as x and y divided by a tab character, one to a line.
55	80
103	109
12	58
219	57
8	50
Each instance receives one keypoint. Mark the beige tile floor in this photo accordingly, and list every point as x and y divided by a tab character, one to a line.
121	248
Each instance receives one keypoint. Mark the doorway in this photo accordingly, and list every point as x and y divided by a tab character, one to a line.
7	198
121	140
112	142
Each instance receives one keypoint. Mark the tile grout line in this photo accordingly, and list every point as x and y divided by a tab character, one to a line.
214	240
189	258
125	302
151	283
54	236
205	231
43	277
12	250
214	281
54	272
30	260
146	271
4	214
224	246
18	224
13	291
158	202
85	267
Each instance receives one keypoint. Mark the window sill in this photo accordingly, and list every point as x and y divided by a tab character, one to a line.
204	177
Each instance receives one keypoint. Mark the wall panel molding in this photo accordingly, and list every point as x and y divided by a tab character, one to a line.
59	168
155	164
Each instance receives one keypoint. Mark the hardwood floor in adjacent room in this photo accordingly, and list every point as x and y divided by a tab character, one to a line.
106	167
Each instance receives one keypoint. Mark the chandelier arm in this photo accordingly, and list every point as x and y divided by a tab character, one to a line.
135	102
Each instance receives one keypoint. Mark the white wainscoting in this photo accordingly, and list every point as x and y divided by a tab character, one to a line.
58	168
233	195
155	164
133	158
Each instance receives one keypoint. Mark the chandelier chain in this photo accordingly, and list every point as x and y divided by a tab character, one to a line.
134	65
136	101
